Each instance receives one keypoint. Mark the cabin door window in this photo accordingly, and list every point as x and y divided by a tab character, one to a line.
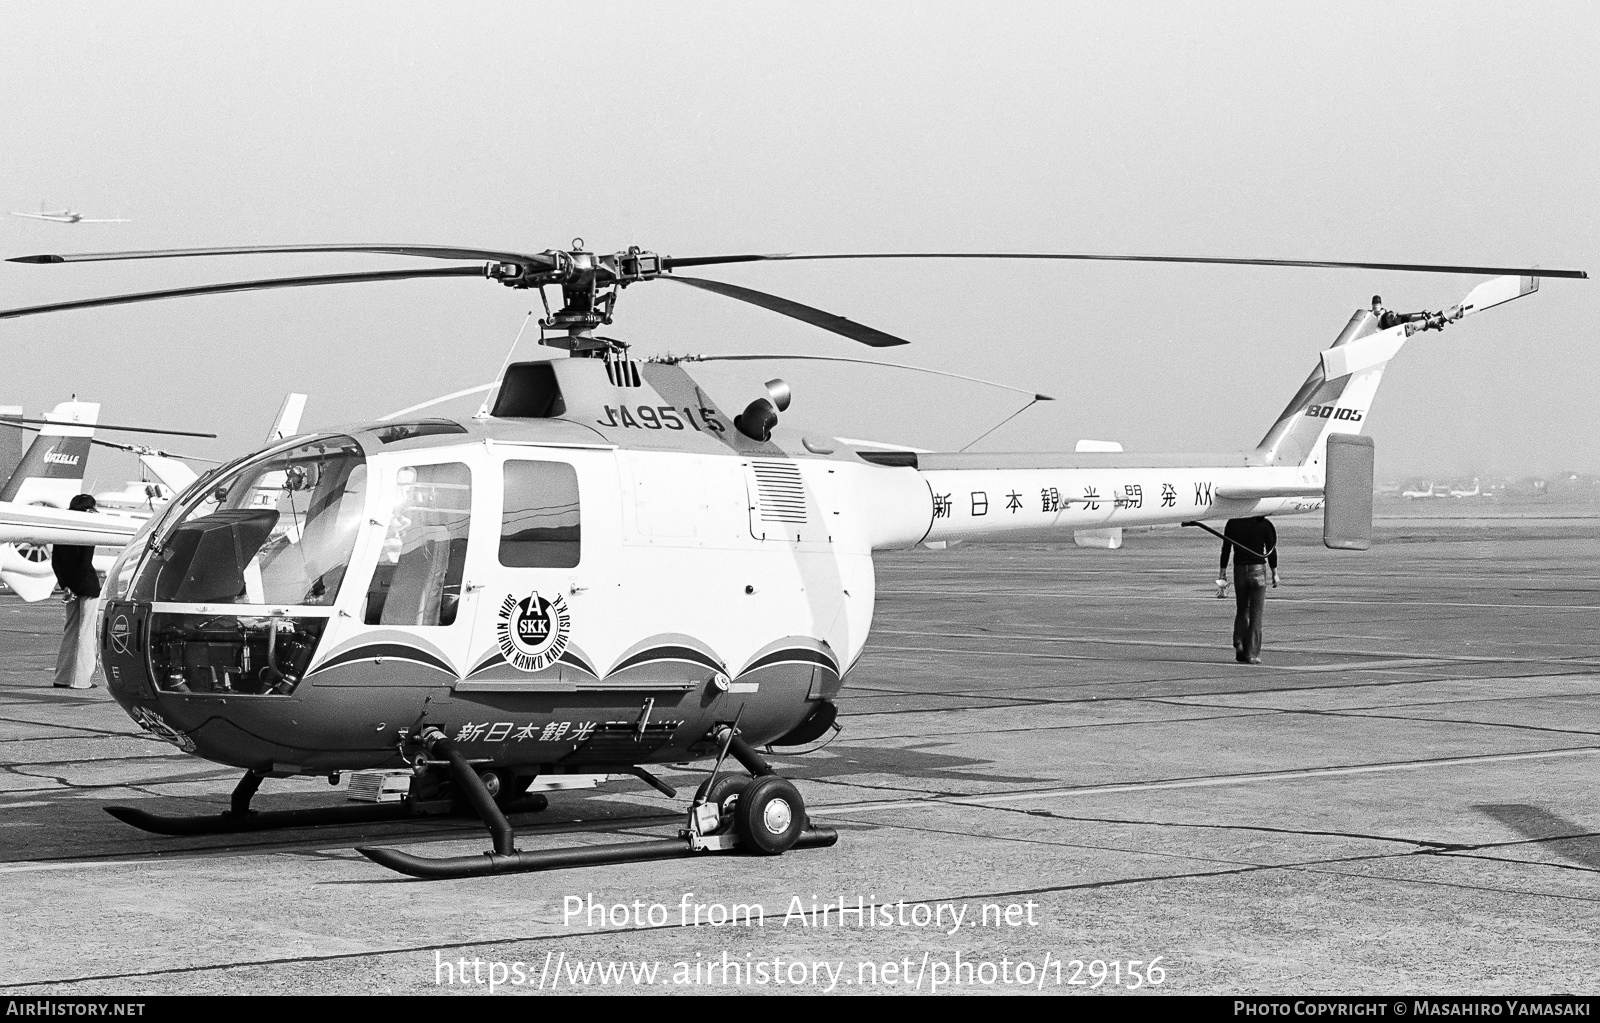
540	525
418	578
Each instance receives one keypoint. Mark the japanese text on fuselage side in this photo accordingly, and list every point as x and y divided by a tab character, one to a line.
499	731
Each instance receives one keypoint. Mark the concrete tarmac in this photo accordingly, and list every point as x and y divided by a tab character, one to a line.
1052	775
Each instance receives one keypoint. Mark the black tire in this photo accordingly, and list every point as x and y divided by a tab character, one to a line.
512	786
770	816
528	804
724	791
514	793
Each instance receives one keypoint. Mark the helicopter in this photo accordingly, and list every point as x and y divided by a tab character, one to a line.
605	570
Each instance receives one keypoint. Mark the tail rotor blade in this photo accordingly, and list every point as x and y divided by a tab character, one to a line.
1496	292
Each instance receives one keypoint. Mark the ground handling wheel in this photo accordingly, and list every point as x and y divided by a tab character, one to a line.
769	816
723	792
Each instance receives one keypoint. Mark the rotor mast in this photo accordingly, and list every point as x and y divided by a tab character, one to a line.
589	282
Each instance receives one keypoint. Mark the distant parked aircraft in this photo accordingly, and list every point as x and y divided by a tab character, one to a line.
1474	492
1419	493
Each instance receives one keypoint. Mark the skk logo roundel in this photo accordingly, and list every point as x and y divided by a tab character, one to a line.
533	631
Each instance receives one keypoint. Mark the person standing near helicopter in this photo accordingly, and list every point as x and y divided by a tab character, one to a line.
1257	542
74	569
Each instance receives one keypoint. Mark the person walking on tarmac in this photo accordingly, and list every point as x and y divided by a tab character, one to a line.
74	568
1256	543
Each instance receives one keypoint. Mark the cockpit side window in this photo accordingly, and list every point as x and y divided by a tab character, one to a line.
540	525
418	578
278	530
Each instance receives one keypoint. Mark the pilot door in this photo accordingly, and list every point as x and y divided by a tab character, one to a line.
418	604
535	551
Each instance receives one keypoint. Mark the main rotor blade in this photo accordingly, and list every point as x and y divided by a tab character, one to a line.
20	423
140	449
672	263
864	362
261	285
788	307
427	251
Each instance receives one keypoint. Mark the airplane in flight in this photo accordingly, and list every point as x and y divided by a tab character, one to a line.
66	216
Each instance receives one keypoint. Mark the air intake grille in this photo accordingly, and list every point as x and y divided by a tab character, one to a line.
782	492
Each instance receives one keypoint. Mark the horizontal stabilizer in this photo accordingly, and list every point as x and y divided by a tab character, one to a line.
1267	493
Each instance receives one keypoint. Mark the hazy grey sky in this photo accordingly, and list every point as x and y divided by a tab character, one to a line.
1400	132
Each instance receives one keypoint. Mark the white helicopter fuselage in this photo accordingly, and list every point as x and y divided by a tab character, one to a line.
594	576
606	569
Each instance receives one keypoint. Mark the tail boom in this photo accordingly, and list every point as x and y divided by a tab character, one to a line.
968	504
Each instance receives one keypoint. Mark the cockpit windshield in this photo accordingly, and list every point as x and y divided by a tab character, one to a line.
279	530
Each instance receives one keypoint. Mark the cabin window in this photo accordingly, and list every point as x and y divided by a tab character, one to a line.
539	523
418	578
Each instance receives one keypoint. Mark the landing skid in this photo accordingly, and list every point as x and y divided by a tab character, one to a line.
239	817
763	815
229	822
554	859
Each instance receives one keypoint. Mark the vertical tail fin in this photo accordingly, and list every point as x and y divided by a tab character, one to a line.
50	473
173	474
1336	396
11	438
52	470
288	422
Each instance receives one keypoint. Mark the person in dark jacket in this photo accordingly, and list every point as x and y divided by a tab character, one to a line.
1254	545
74	568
